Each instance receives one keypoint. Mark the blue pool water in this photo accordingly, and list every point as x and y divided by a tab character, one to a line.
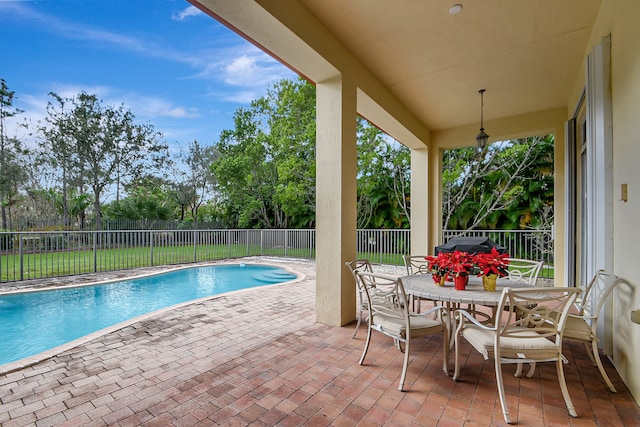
31	323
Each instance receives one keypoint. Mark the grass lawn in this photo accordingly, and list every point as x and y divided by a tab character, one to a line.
64	263
42	264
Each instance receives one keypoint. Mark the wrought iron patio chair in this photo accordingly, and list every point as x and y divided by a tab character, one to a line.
390	315
535	335
527	271
524	270
583	326
362	304
416	264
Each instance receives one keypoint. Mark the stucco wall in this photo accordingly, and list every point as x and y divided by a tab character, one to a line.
625	68
619	19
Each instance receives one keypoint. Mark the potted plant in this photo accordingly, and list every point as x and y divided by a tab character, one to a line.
460	265
491	265
439	266
455	266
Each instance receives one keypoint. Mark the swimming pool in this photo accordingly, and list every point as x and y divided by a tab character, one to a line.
34	322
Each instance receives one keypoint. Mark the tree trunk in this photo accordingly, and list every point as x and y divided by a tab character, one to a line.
4	216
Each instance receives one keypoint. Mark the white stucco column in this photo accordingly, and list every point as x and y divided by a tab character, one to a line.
420	202
435	197
336	169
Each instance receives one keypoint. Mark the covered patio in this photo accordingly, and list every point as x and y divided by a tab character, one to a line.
259	358
414	69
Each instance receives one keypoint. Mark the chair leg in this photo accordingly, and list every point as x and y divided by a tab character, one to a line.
532	370
596	356
500	383
518	373
445	351
415	303
563	387
355	331
456	355
366	345
587	348
404	366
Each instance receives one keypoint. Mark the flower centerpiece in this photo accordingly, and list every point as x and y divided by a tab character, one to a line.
461	264
491	265
455	266
439	266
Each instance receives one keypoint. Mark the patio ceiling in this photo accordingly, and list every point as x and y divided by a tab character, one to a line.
526	54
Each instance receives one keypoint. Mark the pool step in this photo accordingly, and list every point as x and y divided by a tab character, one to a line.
273	276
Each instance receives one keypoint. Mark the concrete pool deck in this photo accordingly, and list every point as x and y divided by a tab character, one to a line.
256	357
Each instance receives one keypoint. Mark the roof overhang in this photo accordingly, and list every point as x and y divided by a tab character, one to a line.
418	68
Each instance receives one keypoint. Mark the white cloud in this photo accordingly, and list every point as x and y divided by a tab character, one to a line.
243	96
252	68
80	31
34	113
69	29
143	106
242	71
243	66
151	107
246	72
186	13
158	111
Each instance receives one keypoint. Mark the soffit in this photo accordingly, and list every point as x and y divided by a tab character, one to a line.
524	53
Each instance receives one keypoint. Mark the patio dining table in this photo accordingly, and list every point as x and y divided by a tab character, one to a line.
423	286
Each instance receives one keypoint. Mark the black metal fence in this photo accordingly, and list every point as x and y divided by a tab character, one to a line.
34	255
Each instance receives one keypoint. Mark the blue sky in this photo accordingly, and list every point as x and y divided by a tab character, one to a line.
170	64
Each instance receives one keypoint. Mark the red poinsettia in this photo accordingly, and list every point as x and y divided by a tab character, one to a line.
492	263
451	264
461	263
439	265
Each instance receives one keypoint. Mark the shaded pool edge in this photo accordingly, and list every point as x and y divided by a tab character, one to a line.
55	351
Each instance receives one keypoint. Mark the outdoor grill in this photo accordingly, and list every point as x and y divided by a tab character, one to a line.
472	245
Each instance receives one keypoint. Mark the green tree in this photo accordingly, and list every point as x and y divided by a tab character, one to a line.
98	146
291	114
384	179
12	172
194	180
245	174
266	168
37	208
507	185
77	202
148	199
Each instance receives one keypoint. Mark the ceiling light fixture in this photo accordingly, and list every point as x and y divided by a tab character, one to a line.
456	8
482	137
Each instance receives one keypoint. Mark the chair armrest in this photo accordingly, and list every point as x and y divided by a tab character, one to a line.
439	310
384	276
389	312
430	311
463	316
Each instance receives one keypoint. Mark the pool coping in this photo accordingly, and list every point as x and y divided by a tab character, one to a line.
48	354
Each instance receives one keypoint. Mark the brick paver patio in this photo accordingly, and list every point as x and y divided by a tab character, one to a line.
258	358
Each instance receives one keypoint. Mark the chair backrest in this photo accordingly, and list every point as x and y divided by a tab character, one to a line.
359	265
385	295
596	293
355	266
416	264
524	270
534	308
